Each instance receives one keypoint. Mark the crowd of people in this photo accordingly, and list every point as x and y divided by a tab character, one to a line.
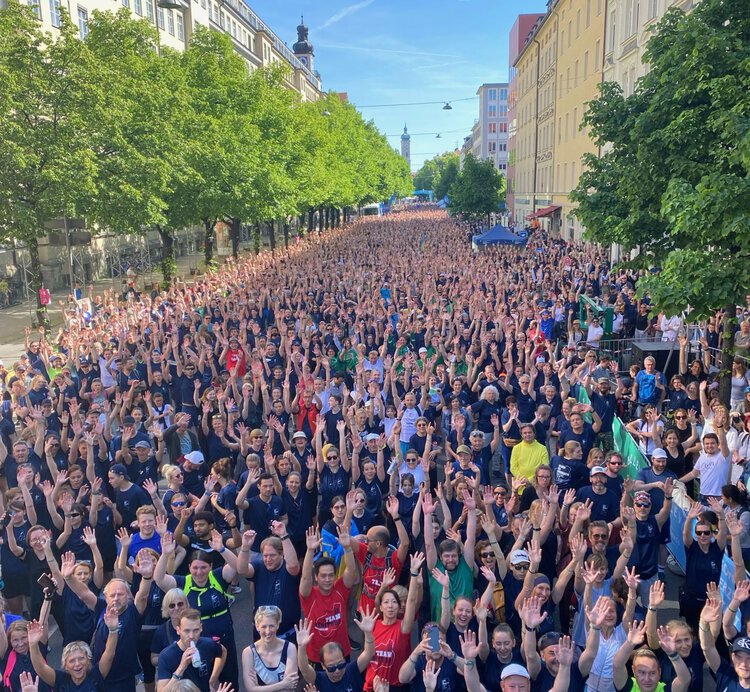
379	434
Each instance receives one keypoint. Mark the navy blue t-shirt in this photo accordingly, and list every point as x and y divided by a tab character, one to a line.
605	507
351	682
260	515
545	680
277	588
491	669
126	664
169	662
93	682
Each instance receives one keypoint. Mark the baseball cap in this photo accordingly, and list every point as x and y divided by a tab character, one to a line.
194	457
142	444
119	469
659	453
597	469
747	389
463	449
514	669
603	380
128	420
741	644
371	436
423	350
642	496
299	435
518	557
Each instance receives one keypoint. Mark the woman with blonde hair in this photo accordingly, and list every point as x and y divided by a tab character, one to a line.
173	605
271	662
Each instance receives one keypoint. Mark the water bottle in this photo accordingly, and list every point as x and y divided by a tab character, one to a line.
196	656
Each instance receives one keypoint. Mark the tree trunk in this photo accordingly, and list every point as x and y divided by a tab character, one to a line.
327	217
338	217
168	264
311	221
256	239
320	220
234	236
286	234
272	234
208	250
35	267
727	355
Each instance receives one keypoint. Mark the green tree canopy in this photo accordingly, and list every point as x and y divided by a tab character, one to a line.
428	176
673	184
478	191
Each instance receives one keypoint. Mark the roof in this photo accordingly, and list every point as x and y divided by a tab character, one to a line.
499	235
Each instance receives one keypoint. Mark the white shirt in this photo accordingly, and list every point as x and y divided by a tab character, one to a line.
714	472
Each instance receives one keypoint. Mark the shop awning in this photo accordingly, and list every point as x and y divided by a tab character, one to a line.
544	211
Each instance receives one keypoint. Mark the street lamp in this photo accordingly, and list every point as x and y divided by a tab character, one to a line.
170	4
447	106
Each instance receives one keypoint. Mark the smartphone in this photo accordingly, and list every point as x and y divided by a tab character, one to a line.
434	639
46	582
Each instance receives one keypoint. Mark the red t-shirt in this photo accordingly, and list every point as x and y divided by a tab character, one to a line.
234	357
327	614
373	574
392	648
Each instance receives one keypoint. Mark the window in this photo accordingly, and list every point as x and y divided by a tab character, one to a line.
652	9
54	12
492	128
588	13
597	53
570	32
503	94
492	110
492	147
573	179
34	5
138	7
575	74
126	3
567	124
585	66
160	17
492	94
170	22
180	27
503	110
578	23
575	122
83	23
502	127
150	10
611	34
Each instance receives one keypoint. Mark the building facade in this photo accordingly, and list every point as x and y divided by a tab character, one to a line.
521	29
175	21
579	61
493	125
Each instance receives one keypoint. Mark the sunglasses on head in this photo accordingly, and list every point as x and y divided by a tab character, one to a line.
338	666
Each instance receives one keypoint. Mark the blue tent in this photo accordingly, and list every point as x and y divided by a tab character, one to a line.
499	235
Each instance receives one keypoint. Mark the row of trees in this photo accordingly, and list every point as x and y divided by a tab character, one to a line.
133	138
673	187
474	191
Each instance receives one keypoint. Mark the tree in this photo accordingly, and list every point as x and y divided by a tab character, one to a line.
138	133
673	185
47	162
428	177
447	175
478	191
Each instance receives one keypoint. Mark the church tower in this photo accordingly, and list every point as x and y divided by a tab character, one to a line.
303	49
406	146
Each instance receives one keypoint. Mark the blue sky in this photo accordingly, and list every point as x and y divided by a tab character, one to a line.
406	51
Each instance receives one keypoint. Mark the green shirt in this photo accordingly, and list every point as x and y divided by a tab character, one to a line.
461	584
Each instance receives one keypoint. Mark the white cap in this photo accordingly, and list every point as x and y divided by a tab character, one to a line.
194	458
597	469
514	669
659	453
299	435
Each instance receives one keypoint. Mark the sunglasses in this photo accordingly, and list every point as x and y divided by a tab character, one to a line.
75	514
339	666
680	417
500	493
642	504
412	458
703	533
178	504
599	536
333	456
339	507
487	554
615	463
521	567
179	604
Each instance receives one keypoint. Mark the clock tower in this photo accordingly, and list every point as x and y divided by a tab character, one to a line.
303	49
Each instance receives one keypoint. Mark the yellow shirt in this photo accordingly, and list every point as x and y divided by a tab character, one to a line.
526	458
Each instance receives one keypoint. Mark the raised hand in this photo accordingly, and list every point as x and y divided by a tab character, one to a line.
28	682
597	614
565	651
430	675
417	560
111	618
35	632
666	640
304	632
637	633
631	578
440	577
656	594
742	591
392	506
167	544
312	539
89	536
67	565
469	646
367	622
